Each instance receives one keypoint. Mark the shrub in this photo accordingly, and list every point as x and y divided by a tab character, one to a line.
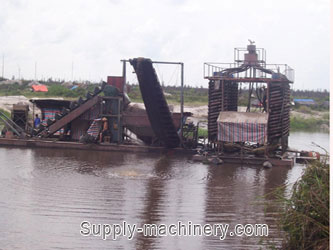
203	132
306	215
305	109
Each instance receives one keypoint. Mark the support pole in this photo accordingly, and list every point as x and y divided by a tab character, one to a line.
33	115
181	103
124	73
35	71
125	91
3	66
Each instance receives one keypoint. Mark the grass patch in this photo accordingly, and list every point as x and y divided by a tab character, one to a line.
305	110
192	96
8	114
326	116
299	123
305	218
202	132
54	90
5	112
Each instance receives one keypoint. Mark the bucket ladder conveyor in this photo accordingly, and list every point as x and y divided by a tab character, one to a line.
77	108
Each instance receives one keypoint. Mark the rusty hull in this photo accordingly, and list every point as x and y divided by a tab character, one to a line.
139	124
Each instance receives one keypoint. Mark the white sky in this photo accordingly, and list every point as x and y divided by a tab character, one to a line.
96	35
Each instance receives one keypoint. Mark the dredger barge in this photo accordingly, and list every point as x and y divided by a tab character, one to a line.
105	120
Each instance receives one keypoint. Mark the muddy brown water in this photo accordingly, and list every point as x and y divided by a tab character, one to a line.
46	194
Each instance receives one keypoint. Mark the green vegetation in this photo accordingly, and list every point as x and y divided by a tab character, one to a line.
305	217
54	90
134	93
326	116
193	96
1	122
59	90
320	97
300	123
305	110
12	89
303	210
202	132
5	112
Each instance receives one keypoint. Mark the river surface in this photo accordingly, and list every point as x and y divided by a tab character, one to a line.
46	194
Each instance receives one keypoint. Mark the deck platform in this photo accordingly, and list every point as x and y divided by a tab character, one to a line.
37	143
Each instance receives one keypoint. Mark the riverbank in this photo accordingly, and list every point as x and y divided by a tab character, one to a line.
305	214
298	123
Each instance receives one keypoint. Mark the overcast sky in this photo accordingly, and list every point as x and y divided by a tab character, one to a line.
96	35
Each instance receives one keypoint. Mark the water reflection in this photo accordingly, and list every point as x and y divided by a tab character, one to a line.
303	140
155	192
46	194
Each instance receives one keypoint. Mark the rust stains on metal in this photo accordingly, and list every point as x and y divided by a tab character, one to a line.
71	116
